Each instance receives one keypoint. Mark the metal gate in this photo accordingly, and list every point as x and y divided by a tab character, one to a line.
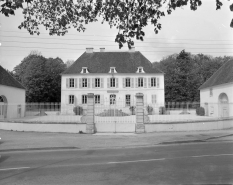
114	116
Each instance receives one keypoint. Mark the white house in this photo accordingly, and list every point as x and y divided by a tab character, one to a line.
216	93
113	77
12	96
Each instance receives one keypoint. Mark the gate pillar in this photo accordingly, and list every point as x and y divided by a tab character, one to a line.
140	127
90	126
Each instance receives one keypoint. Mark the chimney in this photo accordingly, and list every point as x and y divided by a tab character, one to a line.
89	50
132	49
102	49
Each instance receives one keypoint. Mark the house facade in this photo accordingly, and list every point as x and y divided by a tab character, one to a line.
113	77
12	96
216	94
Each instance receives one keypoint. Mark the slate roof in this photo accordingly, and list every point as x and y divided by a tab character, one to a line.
100	62
8	80
222	76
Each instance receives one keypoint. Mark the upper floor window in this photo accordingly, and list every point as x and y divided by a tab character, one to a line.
112	70
84	70
127	100
112	82
97	99
140	82
84	82
71	82
211	92
71	99
127	82
140	70
153	82
97	82
84	99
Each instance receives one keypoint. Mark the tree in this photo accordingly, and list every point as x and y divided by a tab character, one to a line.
185	73
69	63
128	16
41	77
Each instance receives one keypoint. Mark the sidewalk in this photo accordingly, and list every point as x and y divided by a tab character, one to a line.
13	140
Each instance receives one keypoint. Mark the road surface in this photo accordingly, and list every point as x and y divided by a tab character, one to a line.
196	163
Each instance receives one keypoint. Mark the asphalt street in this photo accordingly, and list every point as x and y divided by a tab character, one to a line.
196	163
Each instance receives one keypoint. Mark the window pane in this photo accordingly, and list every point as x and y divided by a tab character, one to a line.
71	82
97	82
127	100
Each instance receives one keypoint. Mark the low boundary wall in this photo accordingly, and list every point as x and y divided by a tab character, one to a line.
189	126
44	127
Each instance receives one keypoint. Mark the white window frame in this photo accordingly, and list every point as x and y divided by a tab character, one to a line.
71	82
153	82
71	99
84	82
112	99
127	82
127	100
97	82
140	82
97	99
112	82
84	99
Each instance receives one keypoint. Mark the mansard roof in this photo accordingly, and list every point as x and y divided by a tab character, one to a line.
8	80
222	76
100	62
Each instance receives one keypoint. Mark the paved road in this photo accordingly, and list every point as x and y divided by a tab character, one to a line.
199	163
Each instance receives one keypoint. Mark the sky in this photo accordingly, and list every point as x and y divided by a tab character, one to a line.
205	30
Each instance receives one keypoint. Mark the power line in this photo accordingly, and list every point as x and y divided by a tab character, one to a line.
110	40
86	35
106	45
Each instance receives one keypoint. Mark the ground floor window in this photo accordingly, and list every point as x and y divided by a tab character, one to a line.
112	99
97	99
71	99
84	99
127	100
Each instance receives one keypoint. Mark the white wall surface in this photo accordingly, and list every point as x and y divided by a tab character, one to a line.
105	92
15	97
213	101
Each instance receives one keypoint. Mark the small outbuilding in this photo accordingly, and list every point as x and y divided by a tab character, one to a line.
216	94
12	96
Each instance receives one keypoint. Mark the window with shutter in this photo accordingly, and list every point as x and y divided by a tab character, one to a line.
140	82
153	82
127	100
97	82
71	99
84	82
127	82
153	98
71	82
84	99
97	99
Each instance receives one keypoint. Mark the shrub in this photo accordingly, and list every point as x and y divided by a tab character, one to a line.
200	111
78	110
149	109
162	110
132	109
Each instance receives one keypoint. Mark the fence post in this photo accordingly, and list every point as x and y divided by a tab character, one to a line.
140	127
90	126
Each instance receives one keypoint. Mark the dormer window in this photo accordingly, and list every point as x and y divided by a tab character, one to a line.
112	70
84	70
140	70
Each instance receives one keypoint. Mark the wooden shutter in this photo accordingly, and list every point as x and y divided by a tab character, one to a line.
131	82
67	82
80	82
88	83
108	82
153	98
79	99
116	82
149	81
101	99
158	82
145	83
136	82
67	99
75	82
123	82
131	100
75	100
145	99
102	82
93	82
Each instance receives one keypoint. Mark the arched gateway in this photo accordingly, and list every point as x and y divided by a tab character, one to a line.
3	107
223	105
